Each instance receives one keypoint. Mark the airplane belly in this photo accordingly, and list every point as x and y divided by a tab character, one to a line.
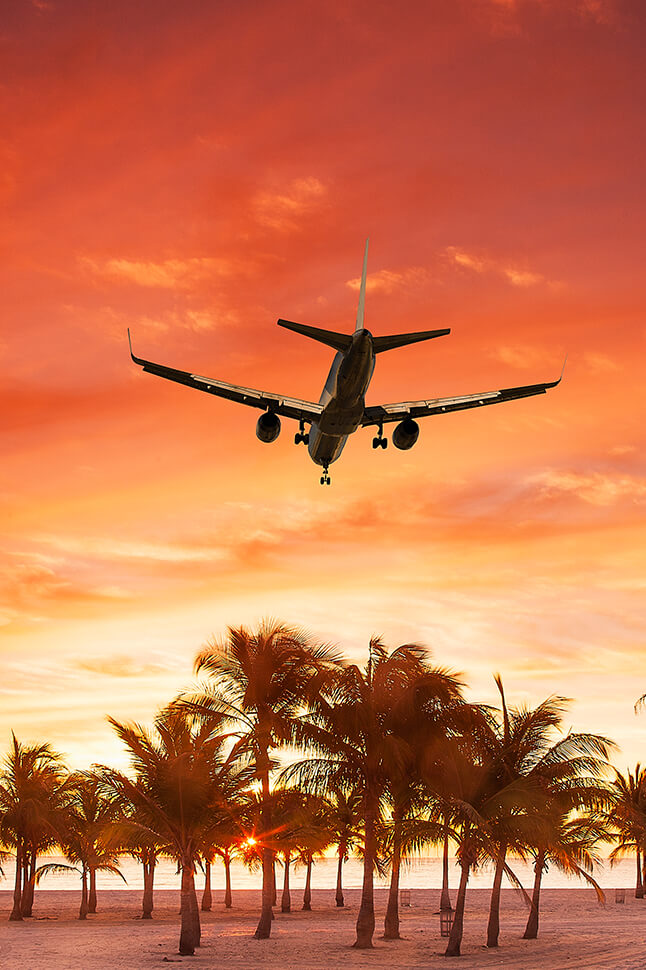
338	420
325	448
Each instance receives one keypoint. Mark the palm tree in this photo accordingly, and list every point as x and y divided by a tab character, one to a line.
500	777
344	819
261	681
628	819
475	793
352	736
524	745
81	838
313	837
569	846
190	771
33	794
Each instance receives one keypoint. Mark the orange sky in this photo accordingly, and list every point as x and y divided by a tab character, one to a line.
196	171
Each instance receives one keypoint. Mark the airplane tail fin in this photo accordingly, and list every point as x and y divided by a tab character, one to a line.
402	339
340	341
362	291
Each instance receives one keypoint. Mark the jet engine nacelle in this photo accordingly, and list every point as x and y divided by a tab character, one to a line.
268	427
406	434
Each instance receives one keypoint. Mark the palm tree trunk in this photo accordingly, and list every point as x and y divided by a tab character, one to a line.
455	939
531	930
16	913
228	901
195	912
445	898
366	916
307	893
207	898
91	901
286	901
339	878
149	875
188	936
29	882
263	930
391	922
274	893
83	908
493	927
639	887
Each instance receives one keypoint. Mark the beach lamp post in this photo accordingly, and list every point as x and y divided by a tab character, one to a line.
446	922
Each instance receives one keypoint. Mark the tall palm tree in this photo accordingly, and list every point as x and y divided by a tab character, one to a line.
352	737
190	772
524	743
34	792
627	818
261	681
475	794
500	776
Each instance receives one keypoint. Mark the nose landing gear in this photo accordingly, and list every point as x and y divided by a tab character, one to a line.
301	435
325	477
380	441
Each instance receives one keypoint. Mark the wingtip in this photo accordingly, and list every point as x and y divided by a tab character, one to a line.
560	378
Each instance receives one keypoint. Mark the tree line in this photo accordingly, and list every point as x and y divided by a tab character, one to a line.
285	749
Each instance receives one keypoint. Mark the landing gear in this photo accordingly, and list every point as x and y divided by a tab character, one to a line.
301	435
325	477
380	441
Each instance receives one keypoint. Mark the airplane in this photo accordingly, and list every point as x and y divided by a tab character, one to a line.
341	409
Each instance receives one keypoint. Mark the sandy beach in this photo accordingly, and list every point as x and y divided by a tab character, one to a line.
575	932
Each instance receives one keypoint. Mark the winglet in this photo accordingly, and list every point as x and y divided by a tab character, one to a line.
362	290
559	378
137	360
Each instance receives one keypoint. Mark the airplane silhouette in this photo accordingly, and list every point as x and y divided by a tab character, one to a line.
341	409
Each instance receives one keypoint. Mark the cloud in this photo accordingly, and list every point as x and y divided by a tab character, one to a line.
104	547
593	488
479	264
165	274
119	665
387	280
282	209
601	11
599	363
520	355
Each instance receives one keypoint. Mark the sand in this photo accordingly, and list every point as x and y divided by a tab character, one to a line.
575	933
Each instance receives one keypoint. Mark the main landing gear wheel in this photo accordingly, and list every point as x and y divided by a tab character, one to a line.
380	441
301	435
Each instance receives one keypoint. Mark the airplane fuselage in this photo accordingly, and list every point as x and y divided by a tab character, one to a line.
343	399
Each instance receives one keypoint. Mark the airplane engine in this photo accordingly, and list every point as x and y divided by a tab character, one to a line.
405	434
268	427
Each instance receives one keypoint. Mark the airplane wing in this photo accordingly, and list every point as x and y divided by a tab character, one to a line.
383	413
288	407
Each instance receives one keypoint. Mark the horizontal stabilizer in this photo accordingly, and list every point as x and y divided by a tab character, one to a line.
402	339
340	341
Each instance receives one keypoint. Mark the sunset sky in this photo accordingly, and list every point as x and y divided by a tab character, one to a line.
195	171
